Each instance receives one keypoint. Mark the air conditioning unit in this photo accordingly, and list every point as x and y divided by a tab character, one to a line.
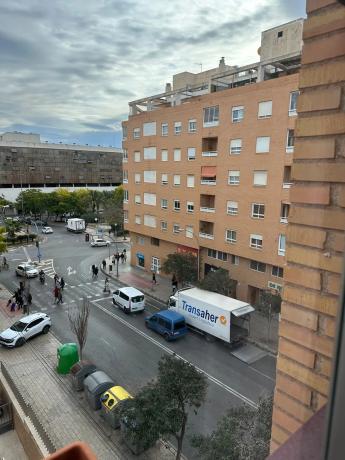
275	286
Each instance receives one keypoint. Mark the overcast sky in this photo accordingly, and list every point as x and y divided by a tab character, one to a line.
69	67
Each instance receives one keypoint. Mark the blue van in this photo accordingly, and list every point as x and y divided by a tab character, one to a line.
169	324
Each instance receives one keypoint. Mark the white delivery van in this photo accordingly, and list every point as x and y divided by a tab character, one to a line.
75	225
129	299
213	314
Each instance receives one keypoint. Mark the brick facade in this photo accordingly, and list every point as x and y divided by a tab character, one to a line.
316	226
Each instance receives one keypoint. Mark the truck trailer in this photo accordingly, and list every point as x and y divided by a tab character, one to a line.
75	225
213	314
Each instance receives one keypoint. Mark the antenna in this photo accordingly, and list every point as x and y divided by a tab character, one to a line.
200	64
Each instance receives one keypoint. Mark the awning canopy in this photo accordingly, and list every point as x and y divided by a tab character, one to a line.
140	255
208	171
243	311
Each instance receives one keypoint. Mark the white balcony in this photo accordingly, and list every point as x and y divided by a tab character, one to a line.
287	184
289	149
210	153
208	182
283	220
205	209
206	235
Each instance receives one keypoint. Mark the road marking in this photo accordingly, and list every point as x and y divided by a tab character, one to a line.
171	352
26	254
105	341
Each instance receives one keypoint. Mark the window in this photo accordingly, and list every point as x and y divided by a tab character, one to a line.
235	146
191	126
150	177
149	129
154	241
140	240
137	199
164	155
255	241
260	178
150	199
293	103
177	179
137	157
280	34
237	114
211	116
290	140
177	155
189	231
190	181
164	179
232	208
164	203
263	144
284	213
234	178
149	153
208	175
265	109
164	225
287	177
281	245
217	255
164	129
125	156
149	221
125	216
257	266
124	132
176	228
137	178
190	206
231	236
191	153
258	211
235	260
177	205
125	196
125	176
136	133
277	271
137	219
177	127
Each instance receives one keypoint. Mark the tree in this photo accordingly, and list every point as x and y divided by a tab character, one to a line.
219	281
183	265
31	201
164	405
242	434
3	245
269	303
78	320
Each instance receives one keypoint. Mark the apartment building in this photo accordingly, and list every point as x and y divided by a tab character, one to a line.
206	169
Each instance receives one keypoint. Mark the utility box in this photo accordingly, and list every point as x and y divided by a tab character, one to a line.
111	402
95	385
79	372
67	355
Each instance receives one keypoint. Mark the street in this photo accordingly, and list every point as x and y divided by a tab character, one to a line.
120	344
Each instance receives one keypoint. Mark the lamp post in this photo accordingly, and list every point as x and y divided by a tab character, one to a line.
96	220
117	252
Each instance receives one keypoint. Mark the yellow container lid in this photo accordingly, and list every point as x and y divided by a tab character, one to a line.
113	396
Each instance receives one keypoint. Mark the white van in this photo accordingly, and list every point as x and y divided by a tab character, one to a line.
129	299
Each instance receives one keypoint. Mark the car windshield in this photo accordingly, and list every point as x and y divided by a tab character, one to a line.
29	267
18	326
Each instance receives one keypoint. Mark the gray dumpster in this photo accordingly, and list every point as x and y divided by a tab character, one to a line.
79	372
95	385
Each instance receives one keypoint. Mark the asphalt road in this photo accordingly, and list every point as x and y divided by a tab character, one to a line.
121	345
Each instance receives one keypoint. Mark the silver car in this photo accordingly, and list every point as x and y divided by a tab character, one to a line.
24	329
27	270
99	242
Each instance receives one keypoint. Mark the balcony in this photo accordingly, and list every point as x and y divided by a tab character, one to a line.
207	203
287	182
208	175
206	235
208	181
209	153
209	146
206	230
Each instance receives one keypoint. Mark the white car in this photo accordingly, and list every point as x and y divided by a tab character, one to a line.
99	242
27	270
24	329
47	230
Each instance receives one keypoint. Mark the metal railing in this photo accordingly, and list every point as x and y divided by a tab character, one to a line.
6	417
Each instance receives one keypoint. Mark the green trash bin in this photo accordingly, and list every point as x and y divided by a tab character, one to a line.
67	356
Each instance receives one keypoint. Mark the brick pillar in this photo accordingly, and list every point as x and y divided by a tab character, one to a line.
316	225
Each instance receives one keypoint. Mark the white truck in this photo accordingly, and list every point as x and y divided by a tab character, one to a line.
75	225
213	314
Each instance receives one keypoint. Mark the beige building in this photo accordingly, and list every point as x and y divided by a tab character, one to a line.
207	170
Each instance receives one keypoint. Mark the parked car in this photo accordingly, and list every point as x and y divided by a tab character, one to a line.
99	242
28	270
169	324
129	299
47	230
24	329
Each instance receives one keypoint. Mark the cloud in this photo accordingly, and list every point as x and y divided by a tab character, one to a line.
70	68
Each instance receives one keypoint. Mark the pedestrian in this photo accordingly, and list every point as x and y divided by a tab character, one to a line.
106	286
125	254
62	283
56	278
96	272
29	298
21	286
174	283
59	299
9	302
122	257
20	301
113	259
93	267
13	305
154	281
56	294
104	264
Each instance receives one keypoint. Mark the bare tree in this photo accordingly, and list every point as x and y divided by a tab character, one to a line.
78	320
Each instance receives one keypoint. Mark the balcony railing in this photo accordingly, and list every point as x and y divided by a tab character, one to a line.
289	149
210	153
206	235
207	209
283	220
208	182
287	184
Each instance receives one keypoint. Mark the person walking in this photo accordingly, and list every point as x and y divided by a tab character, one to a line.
154	281
62	283
106	286
96	272
56	293
20	301
104	264
13	305
174	283
122	256
59	299
56	278
125	255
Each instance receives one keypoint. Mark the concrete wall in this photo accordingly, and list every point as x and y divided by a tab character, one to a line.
273	46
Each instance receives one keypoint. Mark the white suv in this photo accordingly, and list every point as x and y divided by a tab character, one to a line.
24	329
99	242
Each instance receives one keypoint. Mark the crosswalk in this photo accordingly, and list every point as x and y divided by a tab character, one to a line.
47	266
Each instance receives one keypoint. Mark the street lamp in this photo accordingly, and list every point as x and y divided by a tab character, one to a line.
198	253
117	252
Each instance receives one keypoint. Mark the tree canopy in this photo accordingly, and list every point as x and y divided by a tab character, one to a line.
219	281
183	265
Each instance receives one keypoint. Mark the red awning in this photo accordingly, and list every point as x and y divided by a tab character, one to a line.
208	171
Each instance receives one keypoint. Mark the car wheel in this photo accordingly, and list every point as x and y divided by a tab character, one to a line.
20	342
45	330
166	336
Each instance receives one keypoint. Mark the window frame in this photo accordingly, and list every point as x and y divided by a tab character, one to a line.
211	120
232	210
230	240
177	157
193	120
236	150
165	125
164	207
177	128
258	265
257	172
177	205
135	133
191	158
268	115
236	175
188	204
237	108
278	271
256	241
177	184
266	147
258	214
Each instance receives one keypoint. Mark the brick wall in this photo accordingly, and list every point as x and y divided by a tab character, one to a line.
316	225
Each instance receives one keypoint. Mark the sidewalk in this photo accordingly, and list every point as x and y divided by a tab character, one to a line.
61	413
